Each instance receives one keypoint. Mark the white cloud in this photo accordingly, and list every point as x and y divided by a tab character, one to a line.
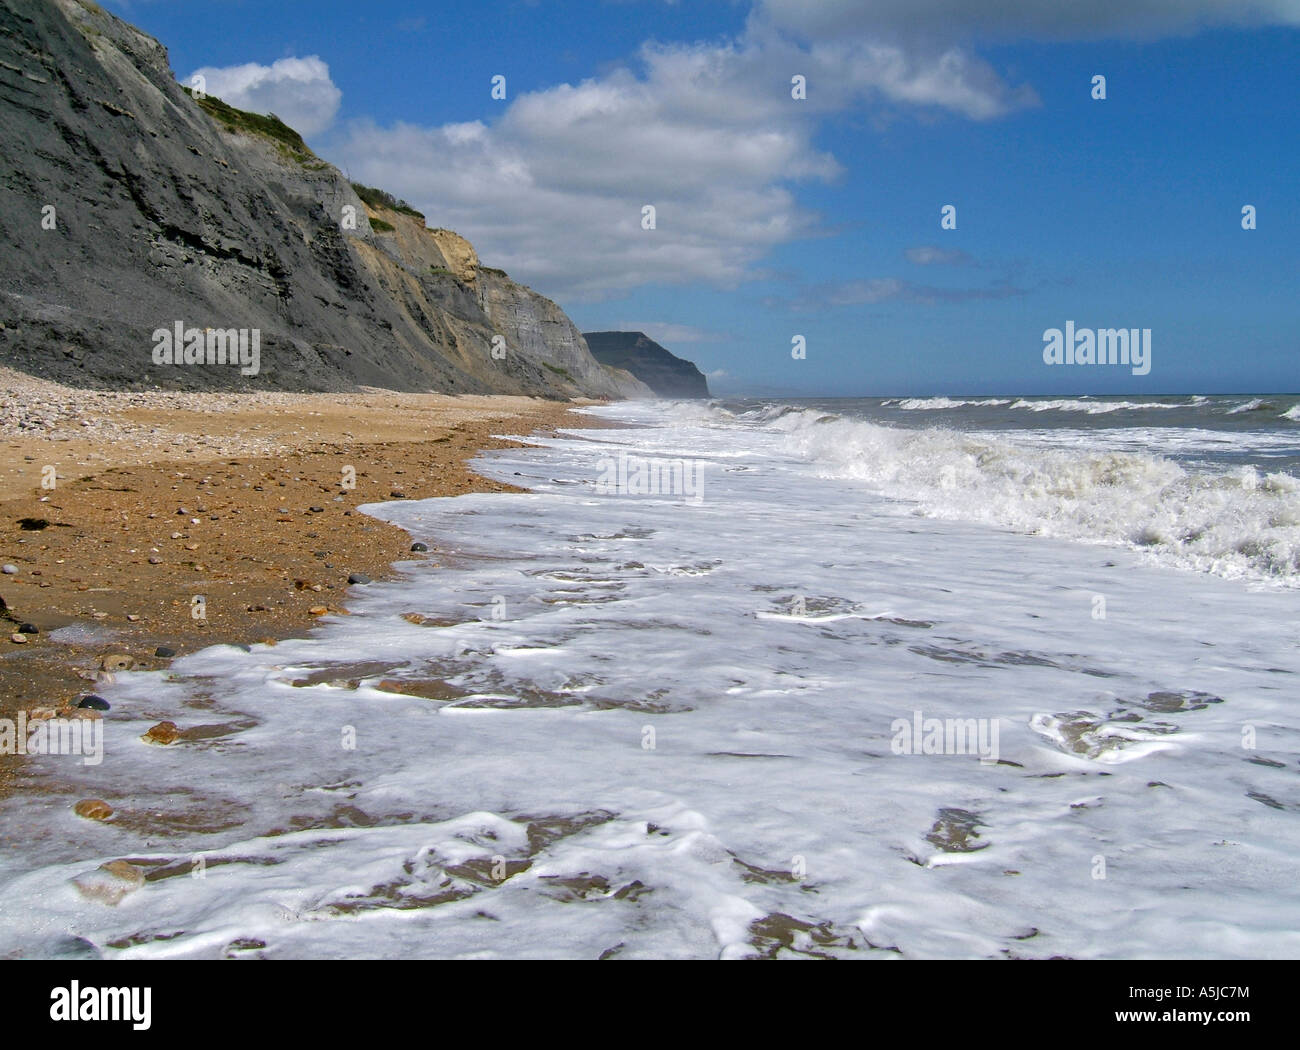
933	255
1041	19
553	190
297	90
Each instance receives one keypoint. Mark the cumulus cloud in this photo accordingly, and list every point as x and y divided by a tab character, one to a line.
708	134
1004	19
297	90
553	189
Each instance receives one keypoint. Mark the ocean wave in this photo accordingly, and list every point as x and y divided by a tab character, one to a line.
1292	413
913	404
1092	408
1257	404
1242	525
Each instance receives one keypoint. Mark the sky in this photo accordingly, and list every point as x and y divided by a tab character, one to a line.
819	217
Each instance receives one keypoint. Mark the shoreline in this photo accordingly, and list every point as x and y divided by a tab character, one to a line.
109	567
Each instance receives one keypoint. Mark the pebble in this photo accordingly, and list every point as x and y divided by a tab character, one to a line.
163	733
10	570
317	510
110	882
318	610
18	639
419	548
29	628
164	652
358	577
155	561
117	662
91	702
93	809
397	494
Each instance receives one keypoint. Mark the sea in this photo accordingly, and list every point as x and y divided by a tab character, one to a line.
937	677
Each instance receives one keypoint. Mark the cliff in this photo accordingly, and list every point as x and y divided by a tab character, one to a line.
128	206
663	372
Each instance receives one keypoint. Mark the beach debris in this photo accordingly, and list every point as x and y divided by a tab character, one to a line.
18	639
110	882
163	733
33	524
93	809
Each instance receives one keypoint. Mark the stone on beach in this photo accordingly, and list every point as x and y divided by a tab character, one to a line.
93	809
110	882
162	734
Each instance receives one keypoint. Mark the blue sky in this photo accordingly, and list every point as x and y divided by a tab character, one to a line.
820	217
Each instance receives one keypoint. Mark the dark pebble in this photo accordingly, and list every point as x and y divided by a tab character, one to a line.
29	628
33	524
358	577
164	652
317	510
94	703
419	548
397	494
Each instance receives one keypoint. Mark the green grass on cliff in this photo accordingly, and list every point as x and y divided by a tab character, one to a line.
269	127
383	199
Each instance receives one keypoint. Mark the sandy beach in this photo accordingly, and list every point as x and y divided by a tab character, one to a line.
245	501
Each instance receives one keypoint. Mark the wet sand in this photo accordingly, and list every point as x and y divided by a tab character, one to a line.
109	566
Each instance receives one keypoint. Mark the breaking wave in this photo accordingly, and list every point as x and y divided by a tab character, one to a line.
1242	525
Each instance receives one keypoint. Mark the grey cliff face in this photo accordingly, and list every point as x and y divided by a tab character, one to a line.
665	373
165	211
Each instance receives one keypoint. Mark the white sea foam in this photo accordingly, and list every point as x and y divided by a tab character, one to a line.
913	404
1091	407
1255	404
1245	524
657	728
